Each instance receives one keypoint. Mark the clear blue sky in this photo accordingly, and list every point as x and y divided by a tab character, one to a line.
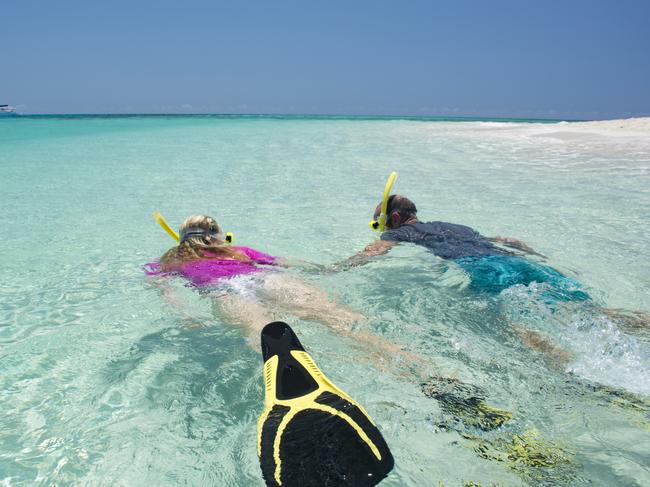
550	59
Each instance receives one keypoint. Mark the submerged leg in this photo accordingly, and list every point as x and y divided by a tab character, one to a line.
290	295
299	298
305	301
246	313
631	320
558	357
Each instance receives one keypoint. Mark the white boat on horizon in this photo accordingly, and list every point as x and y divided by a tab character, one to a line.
7	111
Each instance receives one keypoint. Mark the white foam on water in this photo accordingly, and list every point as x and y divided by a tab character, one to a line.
608	356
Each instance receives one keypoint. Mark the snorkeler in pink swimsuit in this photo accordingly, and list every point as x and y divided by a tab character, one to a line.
213	267
251	288
203	258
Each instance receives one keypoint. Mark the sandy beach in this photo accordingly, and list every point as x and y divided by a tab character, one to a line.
629	127
615	135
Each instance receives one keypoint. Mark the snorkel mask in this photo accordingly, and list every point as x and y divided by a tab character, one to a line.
191	231
380	223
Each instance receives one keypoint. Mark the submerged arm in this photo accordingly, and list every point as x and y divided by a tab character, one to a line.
301	264
378	247
514	243
169	294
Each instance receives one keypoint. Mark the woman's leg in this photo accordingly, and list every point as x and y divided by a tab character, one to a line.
282	294
297	297
293	295
245	312
286	294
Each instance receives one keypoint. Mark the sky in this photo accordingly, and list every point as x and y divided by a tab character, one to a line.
577	59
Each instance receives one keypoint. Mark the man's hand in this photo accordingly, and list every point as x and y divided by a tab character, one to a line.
378	247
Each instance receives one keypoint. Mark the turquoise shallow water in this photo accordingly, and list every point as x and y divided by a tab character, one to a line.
104	382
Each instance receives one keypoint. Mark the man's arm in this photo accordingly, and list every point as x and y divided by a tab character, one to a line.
378	247
513	243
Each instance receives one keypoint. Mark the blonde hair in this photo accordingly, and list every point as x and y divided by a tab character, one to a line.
206	246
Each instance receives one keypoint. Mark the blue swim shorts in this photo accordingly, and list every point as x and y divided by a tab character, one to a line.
494	273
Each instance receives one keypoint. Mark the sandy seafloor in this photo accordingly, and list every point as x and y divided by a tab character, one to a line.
104	382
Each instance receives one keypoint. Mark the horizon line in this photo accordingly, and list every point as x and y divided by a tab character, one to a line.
313	115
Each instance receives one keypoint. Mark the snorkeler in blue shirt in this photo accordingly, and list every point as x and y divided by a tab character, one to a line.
491	269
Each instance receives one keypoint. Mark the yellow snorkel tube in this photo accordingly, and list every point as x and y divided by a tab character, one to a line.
380	224
230	238
163	223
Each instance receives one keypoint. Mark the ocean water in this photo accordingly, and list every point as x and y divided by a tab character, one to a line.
103	381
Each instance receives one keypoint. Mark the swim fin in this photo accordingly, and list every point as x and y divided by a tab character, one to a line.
311	433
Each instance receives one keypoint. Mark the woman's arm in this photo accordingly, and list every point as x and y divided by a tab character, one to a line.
301	264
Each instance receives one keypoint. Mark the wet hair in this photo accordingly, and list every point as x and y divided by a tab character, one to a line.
201	239
401	204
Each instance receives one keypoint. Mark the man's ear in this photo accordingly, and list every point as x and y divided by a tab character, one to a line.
393	220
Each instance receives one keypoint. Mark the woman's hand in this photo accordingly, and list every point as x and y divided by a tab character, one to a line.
301	264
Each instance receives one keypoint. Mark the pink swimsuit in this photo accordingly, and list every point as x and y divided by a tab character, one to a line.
205	272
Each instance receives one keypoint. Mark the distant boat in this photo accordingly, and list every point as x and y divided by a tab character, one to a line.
7	111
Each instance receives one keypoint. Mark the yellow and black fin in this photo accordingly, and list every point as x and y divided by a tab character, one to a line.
311	433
